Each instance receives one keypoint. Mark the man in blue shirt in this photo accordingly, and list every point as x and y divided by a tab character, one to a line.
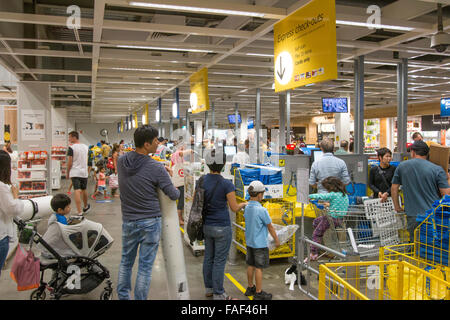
422	182
328	166
257	226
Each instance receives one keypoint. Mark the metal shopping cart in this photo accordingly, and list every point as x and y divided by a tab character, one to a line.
359	233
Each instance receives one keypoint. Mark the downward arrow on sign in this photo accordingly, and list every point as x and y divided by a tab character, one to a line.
281	75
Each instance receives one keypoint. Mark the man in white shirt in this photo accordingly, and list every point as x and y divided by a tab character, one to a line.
242	158
77	166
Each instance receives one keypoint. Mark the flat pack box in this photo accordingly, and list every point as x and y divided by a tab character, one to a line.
440	155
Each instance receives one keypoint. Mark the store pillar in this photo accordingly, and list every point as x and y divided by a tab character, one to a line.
288	117
359	106
342	128
236	122
258	125
34	119
244	126
282	122
402	109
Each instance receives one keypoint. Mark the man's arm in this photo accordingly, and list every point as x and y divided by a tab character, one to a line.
394	193
165	183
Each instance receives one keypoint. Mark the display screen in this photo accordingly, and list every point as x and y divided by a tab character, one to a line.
311	145
232	120
335	105
230	150
250	124
445	107
317	154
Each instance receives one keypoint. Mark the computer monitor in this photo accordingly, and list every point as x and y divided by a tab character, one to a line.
232	118
445	107
230	150
317	154
334	105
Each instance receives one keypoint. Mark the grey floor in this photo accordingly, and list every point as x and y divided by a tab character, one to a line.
109	215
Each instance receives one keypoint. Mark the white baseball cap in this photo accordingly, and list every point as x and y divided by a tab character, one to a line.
257	186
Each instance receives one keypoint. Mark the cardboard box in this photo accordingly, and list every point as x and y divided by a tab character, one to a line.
440	155
273	191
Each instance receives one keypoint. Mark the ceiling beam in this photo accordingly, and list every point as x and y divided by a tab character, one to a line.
99	14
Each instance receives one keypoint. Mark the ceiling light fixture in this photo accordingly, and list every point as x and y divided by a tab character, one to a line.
164	48
370	25
259	54
196	9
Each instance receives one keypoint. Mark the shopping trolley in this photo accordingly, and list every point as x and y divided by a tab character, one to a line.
357	234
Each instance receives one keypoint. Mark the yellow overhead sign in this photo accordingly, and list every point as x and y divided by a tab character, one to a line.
199	98
305	46
121	126
135	120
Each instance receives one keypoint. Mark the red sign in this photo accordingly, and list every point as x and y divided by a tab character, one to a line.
181	173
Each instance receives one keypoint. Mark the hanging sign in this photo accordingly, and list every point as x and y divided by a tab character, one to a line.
305	49
145	118
199	98
135	120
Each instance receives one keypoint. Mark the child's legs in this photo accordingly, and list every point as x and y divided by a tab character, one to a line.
250	275
258	259
258	279
320	225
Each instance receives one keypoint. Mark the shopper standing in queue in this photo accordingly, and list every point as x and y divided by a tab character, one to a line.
219	194
10	206
328	166
140	177
380	177
422	181
77	166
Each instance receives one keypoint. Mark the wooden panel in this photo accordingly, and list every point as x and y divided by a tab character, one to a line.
383	132
11	119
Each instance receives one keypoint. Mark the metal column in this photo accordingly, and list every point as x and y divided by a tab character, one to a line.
188	127
171	128
160	117
402	105
206	124
282	121
213	121
359	106
236	122
258	123
288	117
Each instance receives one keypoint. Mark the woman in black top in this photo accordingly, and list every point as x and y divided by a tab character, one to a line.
380	178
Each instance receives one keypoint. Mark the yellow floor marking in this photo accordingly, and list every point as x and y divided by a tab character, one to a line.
237	284
181	229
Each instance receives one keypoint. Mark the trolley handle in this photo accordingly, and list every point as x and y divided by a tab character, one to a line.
316	203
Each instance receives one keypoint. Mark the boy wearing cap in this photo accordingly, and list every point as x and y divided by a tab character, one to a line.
423	182
257	226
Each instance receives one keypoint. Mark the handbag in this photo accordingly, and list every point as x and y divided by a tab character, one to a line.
198	211
25	270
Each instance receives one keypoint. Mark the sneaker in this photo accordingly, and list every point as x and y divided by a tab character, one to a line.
94	197
250	291
262	296
69	193
107	198
87	209
209	292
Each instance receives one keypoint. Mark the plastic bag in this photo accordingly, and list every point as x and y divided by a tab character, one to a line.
284	233
114	181
25	270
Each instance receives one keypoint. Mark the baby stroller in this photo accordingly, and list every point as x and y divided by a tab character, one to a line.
78	273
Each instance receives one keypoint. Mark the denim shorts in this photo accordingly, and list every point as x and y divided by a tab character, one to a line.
258	258
101	188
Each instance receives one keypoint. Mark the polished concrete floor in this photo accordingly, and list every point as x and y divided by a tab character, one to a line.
109	214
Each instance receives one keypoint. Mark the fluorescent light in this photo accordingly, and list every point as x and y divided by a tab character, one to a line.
149	70
157	115
164	48
242	74
373	25
259	54
196	9
175	110
143	119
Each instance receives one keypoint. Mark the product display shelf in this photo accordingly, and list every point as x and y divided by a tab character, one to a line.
32	174
60	154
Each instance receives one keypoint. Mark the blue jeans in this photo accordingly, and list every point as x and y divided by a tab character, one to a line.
4	248
144	234
217	246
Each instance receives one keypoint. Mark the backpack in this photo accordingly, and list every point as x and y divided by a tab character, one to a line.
198	211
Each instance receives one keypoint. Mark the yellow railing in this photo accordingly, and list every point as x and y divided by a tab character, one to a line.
380	280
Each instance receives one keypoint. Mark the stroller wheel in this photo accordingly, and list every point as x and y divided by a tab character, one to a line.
38	294
106	295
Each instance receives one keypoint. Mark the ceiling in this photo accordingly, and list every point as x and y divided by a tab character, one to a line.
125	55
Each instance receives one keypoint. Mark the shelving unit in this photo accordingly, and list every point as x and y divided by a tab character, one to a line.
32	174
60	154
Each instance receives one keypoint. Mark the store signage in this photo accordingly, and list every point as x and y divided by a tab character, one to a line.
135	118
145	119
445	107
121	126
305	48
199	98
33	124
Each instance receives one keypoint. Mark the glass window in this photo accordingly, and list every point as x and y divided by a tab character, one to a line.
77	239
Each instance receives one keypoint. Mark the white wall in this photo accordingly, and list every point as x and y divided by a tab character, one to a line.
90	133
